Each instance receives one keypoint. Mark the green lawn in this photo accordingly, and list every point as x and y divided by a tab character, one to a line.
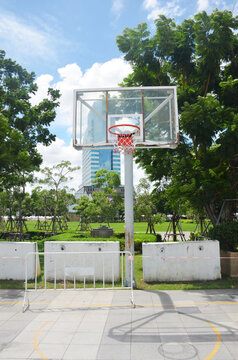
187	225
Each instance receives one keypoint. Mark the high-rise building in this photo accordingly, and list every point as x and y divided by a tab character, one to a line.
97	159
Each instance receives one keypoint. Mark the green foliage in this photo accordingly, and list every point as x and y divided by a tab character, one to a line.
199	56
107	181
106	204
22	125
145	208
58	194
227	234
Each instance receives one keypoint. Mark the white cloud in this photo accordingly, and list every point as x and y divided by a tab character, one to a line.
116	9
150	4
108	74
210	5
43	83
203	5
235	8
170	8
14	33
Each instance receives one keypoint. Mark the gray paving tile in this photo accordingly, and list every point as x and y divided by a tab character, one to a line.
206	350
174	338
16	350
181	351
90	326
57	337
188	310
34	325
49	351
80	352
66	326
232	347
170	328
145	338
114	352
119	338
15	325
147	351
85	338
210	309
6	315
230	309
27	337
174	328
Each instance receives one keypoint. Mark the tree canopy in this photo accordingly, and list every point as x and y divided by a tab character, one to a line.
200	57
22	125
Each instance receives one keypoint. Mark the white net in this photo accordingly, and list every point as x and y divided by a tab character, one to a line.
124	143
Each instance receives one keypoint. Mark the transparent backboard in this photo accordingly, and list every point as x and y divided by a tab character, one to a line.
153	109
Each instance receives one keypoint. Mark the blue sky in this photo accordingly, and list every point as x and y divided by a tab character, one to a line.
72	43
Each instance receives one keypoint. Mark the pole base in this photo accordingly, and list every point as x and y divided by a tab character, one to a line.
127	283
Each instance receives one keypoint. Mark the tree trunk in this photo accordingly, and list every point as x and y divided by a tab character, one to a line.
174	228
212	213
207	84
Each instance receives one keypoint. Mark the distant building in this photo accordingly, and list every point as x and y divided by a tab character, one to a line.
97	159
88	190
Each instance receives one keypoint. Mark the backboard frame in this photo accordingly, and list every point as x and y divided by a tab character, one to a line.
141	142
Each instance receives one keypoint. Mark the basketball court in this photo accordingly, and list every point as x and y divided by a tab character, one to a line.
181	325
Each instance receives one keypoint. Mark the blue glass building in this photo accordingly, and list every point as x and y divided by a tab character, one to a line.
97	159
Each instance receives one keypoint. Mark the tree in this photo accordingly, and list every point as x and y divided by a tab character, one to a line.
145	209
200	58
109	182
87	210
55	178
22	125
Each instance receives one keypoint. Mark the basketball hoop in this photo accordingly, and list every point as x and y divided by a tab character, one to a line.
124	135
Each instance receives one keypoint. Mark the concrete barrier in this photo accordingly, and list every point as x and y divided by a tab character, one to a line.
181	261
12	260
93	255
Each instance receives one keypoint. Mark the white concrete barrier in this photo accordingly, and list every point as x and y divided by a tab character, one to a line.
12	260
181	261
102	263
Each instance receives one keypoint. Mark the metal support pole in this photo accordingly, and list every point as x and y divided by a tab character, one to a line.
129	218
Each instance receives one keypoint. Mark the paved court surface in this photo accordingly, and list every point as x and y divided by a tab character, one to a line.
181	325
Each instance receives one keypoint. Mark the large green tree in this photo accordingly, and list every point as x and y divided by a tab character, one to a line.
22	125
200	57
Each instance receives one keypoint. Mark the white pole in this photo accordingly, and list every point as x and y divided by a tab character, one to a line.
129	217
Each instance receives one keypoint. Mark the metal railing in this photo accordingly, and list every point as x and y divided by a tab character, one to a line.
103	270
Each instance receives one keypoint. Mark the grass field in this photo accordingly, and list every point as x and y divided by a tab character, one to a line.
187	225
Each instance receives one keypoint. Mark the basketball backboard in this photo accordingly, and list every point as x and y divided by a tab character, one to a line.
152	109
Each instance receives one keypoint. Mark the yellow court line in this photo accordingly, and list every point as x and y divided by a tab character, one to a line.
218	344
35	341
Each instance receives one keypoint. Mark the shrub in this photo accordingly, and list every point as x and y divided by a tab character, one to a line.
227	234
